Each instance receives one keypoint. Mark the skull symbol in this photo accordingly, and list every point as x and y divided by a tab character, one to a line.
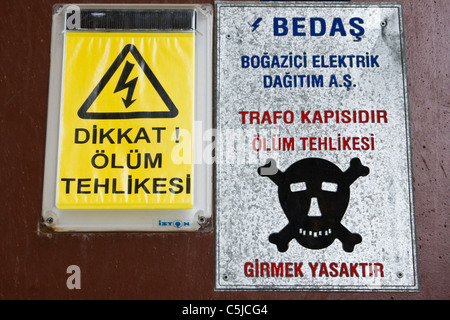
314	194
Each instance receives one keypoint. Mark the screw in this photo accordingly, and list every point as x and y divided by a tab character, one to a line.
49	220
400	275
383	23
225	277
201	220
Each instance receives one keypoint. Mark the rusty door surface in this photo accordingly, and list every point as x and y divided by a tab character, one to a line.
35	265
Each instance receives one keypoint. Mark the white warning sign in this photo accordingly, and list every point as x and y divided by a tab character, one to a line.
313	183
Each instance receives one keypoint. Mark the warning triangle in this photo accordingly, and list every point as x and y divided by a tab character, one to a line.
172	111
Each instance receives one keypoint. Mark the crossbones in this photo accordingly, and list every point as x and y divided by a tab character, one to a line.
320	181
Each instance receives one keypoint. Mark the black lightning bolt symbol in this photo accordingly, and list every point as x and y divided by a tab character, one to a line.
130	85
255	24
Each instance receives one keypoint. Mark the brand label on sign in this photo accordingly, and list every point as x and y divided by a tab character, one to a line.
314	186
127	121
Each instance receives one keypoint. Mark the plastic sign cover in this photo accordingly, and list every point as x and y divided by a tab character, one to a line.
126	116
313	186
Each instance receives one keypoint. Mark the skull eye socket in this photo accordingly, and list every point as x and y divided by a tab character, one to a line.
298	186
329	186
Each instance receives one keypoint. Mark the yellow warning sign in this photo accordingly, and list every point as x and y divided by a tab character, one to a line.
127	121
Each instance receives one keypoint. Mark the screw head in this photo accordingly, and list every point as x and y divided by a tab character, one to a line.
201	220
